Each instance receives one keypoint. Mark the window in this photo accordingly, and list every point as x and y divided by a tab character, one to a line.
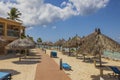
1	28
13	31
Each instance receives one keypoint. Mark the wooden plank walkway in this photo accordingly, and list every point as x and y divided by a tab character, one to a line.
48	69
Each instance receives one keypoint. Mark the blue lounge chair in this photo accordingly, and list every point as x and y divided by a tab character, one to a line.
53	54
66	66
5	76
115	70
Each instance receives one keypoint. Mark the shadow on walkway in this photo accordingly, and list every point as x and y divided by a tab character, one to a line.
27	62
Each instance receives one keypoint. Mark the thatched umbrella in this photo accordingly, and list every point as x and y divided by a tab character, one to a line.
25	43
67	43
75	41
44	44
50	43
96	43
47	44
21	44
59	43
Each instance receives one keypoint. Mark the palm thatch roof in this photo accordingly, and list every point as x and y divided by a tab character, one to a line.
74	42
67	43
50	43
25	43
96	43
47	43
60	42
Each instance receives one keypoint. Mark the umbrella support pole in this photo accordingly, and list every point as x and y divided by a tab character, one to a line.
94	62
100	60
25	53
84	58
20	58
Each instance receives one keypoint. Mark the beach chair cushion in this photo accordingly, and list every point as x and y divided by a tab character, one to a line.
53	54
5	76
66	66
115	70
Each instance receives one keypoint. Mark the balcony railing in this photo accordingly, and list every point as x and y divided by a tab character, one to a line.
12	33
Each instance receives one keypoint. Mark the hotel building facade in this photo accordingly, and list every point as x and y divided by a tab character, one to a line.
9	31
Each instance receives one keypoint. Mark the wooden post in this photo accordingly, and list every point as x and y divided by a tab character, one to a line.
25	53
5	30
100	59
69	52
84	57
101	72
20	56
76	55
61	64
94	62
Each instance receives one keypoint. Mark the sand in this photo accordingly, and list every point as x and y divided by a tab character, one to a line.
85	70
24	70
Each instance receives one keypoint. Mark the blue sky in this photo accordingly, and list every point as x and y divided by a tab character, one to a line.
106	18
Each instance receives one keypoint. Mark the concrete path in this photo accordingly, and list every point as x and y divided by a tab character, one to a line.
48	69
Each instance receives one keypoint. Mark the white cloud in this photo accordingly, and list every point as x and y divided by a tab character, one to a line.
85	7
37	12
29	28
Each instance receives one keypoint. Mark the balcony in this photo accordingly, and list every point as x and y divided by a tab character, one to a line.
1	29
12	33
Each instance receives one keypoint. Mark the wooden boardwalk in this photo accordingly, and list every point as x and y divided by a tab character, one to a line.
48	69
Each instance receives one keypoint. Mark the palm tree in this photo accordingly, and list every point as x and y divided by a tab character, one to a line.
39	40
14	14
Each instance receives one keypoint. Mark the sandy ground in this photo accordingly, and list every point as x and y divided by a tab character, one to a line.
86	70
24	70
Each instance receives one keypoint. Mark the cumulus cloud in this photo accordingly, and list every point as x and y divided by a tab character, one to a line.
37	12
85	7
29	28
